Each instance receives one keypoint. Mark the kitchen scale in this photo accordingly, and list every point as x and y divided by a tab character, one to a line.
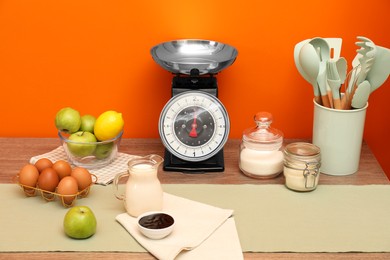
194	125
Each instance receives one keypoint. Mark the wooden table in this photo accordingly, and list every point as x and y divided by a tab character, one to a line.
15	152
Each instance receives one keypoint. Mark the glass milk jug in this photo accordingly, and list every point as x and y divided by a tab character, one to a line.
260	154
143	191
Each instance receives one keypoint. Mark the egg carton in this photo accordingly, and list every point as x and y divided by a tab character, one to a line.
30	191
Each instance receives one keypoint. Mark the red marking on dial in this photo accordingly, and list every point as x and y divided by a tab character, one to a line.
194	125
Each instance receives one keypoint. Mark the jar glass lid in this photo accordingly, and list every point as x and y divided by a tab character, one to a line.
263	133
302	149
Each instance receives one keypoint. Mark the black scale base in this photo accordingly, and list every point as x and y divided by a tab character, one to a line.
213	164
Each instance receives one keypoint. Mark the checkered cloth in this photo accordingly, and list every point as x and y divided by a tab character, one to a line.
104	175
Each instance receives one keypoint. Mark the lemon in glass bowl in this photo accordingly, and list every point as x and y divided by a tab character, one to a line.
108	125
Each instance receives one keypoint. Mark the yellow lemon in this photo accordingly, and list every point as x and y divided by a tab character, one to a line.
108	125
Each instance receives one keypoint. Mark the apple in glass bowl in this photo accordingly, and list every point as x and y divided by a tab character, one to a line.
83	149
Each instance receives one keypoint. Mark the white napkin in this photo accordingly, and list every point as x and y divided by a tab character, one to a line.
201	232
105	175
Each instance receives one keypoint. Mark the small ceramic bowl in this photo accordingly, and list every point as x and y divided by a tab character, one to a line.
155	224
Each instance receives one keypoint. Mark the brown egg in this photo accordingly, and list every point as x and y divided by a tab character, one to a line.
83	177
43	163
68	186
62	168
28	176
48	180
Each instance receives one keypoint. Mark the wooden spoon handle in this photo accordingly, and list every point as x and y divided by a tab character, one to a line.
325	100
344	101
330	98
348	102
318	100
337	103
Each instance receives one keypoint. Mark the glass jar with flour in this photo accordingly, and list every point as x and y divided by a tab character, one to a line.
260	150
302	163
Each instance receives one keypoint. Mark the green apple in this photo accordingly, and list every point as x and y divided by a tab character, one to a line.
68	120
81	143
80	222
87	123
104	150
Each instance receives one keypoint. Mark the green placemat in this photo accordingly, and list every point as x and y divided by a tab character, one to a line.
269	218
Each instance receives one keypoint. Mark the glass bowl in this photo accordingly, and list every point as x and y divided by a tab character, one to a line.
90	155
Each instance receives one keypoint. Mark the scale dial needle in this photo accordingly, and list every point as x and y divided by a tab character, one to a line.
194	125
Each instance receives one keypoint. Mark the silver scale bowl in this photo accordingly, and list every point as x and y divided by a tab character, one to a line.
182	56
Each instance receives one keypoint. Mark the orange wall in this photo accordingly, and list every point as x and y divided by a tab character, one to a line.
94	56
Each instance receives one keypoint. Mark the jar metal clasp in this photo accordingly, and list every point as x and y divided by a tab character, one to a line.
311	172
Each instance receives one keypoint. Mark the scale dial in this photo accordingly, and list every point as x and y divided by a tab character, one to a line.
194	126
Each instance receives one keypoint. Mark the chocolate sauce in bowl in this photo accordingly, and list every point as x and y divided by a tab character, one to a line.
156	221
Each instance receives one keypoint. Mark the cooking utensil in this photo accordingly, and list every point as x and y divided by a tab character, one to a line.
334	43
368	52
310	64
360	75
360	97
349	80
367	47
334	46
297	50
380	70
334	82
323	51
365	57
342	66
335	51
201	56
